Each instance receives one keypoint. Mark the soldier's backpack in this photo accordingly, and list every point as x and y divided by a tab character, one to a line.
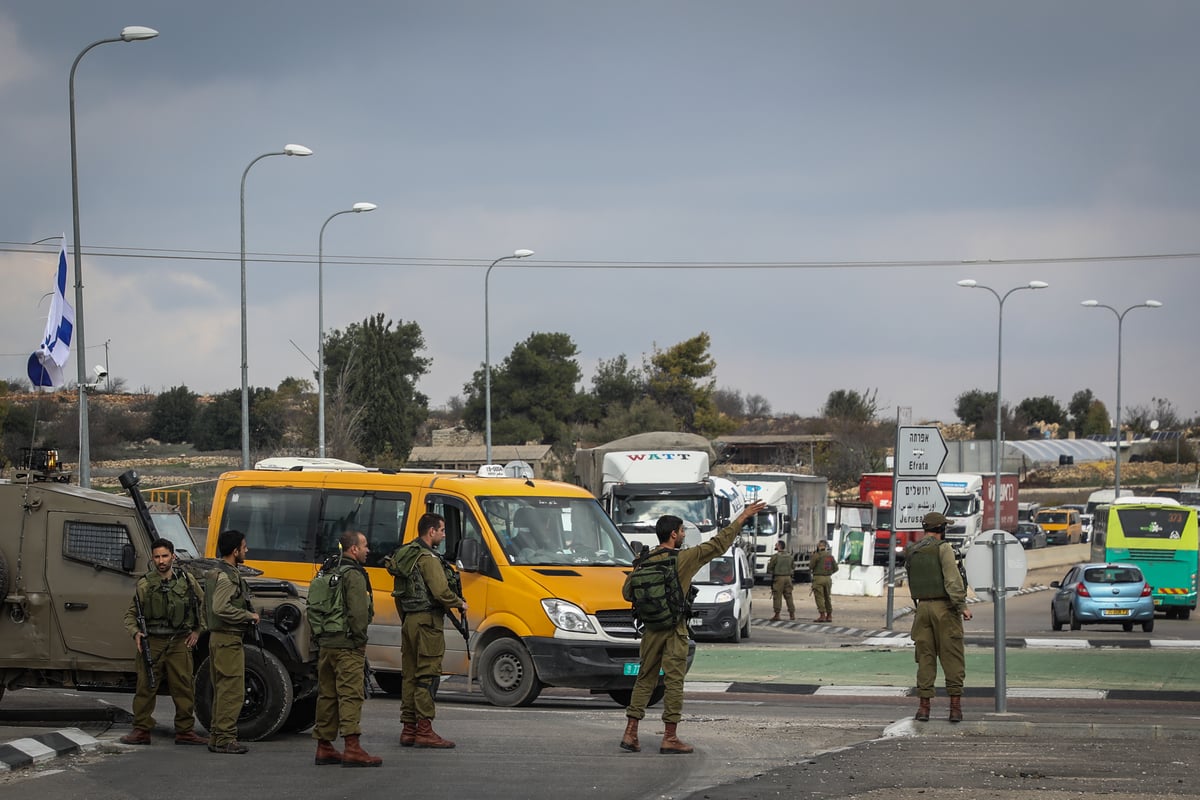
327	601
655	592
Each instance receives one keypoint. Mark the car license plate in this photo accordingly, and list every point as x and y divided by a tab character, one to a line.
695	622
1116	612
631	668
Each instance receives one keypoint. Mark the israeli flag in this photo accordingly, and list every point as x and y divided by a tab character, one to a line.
46	363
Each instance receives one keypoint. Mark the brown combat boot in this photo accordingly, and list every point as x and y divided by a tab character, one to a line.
923	710
630	741
137	736
956	709
791	615
327	754
408	734
355	756
671	743
774	618
426	736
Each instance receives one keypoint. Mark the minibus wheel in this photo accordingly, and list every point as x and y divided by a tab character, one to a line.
506	674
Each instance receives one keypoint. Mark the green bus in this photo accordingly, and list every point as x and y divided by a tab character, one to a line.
1159	536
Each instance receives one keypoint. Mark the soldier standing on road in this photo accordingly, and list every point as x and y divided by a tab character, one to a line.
229	617
822	565
937	630
427	588
342	660
667	650
171	601
781	568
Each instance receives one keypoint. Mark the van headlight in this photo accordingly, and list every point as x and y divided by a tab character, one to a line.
567	616
724	596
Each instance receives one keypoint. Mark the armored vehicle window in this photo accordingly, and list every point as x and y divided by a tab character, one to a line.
96	543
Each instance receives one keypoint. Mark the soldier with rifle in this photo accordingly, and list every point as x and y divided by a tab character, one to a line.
165	622
229	614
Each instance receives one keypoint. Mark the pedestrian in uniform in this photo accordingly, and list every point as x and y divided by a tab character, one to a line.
342	660
937	630
229	616
667	650
171	606
781	568
822	565
428	588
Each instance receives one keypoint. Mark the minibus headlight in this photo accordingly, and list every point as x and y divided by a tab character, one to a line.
567	616
724	596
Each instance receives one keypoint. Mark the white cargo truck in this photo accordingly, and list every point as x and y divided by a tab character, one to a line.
796	513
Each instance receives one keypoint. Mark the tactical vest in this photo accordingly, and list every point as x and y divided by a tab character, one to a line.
240	597
924	565
781	564
824	564
409	587
170	606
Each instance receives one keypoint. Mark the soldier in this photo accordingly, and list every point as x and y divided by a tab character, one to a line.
427	588
343	658
170	602
822	565
666	650
937	630
229	615
781	568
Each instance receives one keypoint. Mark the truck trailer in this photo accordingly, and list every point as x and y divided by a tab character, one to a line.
795	514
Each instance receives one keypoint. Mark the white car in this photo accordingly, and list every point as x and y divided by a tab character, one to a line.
721	609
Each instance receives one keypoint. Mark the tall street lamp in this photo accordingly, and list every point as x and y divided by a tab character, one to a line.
288	150
131	33
998	579
357	208
1120	322
487	358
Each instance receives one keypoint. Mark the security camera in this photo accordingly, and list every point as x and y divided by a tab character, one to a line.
101	372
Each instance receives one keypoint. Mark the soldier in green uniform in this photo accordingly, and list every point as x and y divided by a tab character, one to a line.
229	617
427	588
341	661
171	601
822	565
937	630
667	650
781	568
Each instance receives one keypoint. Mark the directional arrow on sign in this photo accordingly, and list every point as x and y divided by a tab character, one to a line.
913	499
920	451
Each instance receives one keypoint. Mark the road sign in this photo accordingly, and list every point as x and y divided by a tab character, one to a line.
979	565
913	499
920	451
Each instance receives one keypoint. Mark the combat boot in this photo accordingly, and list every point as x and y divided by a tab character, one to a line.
923	710
791	615
671	743
408	734
630	741
426	736
956	709
136	736
774	618
355	756
327	754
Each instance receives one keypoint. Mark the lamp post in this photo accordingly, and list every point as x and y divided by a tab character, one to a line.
487	359
1120	315
357	208
998	579
288	150
131	33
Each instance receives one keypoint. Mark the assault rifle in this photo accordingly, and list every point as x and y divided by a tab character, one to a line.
459	621
144	645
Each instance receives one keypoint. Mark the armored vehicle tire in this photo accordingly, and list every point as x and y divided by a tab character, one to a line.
390	682
268	695
506	674
623	697
302	716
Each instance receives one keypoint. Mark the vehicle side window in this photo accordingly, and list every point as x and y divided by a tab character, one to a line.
95	543
460	523
380	517
280	524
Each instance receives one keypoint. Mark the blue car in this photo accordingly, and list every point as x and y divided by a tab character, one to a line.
1102	593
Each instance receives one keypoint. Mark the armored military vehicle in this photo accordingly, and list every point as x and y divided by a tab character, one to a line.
69	560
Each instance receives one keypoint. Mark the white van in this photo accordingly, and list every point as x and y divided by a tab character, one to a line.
1103	496
721	610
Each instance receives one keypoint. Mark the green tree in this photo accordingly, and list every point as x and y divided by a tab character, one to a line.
975	407
1078	408
644	414
174	415
382	365
730	402
615	386
680	378
850	406
757	406
1096	420
1033	410
218	424
533	392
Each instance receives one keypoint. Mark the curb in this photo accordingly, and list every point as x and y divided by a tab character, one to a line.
43	747
971	692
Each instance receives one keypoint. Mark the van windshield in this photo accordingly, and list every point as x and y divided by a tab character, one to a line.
1058	518
555	531
720	571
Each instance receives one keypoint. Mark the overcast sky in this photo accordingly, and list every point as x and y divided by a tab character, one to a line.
917	134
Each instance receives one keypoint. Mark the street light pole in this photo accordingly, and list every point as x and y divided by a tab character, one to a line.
288	150
357	208
131	33
487	358
1120	315
998	577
